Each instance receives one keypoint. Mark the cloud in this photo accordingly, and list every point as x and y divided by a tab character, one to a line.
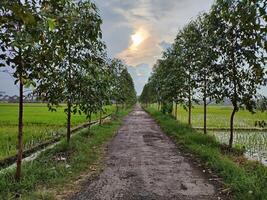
165	45
140	74
160	19
143	53
7	84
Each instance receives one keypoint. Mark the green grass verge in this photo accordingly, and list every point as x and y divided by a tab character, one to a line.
247	181
85	150
39	125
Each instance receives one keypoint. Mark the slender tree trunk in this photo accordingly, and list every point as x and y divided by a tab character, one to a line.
100	117
117	107
90	120
232	127
189	108
68	121
235	96
158	105
173	110
205	116
205	106
20	132
176	109
69	101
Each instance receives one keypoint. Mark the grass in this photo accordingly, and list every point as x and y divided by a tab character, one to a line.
39	124
47	172
218	116
247	181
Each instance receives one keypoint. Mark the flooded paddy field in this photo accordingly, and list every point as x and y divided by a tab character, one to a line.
254	143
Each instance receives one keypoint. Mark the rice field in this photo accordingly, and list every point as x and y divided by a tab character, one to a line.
218	117
39	125
254	142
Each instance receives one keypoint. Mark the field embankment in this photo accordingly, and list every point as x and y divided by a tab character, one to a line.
244	179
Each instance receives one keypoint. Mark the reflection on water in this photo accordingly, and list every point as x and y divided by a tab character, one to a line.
255	143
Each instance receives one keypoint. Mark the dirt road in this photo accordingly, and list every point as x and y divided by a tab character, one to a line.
144	164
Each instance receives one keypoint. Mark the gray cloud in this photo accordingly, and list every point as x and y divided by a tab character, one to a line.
165	45
7	84
140	75
160	19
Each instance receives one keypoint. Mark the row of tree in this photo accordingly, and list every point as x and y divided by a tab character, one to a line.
56	48
221	54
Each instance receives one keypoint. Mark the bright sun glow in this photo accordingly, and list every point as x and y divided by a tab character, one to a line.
137	39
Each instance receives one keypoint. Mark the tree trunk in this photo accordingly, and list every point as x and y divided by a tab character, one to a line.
68	122
20	132
90	121
205	115
189	109
100	118
158	105
232	127
176	109
117	108
205	106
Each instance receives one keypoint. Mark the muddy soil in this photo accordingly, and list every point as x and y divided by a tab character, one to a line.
144	164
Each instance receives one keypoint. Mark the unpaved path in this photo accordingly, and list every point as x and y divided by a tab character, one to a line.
144	164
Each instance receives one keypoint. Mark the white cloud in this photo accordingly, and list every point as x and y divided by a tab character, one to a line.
160	19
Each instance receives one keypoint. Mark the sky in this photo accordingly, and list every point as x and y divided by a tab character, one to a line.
137	31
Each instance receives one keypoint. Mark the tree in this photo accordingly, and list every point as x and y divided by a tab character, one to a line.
220	55
76	40
206	58
20	36
127	91
180	74
122	86
148	94
262	103
241	48
189	40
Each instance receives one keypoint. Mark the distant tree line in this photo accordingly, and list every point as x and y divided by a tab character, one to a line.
221	54
56	48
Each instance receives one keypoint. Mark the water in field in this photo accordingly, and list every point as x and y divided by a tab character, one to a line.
255	143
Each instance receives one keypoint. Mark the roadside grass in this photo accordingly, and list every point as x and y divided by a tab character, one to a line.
246	180
58	166
218	116
39	125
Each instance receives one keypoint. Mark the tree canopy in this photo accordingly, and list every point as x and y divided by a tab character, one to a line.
220	55
56	48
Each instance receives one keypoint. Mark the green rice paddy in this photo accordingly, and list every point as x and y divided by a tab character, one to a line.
218	117
39	125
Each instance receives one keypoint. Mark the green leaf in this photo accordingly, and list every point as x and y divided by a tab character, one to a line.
51	24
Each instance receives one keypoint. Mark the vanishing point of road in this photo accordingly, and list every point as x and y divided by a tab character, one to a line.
142	163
